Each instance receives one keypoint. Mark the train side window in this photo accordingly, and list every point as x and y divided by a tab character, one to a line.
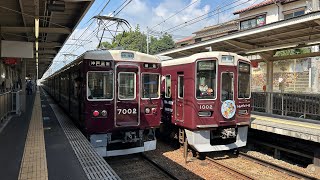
168	86
180	87
227	81
100	85
244	80
150	85
127	86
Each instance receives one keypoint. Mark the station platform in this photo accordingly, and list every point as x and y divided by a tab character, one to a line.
43	143
294	127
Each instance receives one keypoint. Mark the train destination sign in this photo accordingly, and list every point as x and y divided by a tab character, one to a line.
127	55
99	63
227	59
206	65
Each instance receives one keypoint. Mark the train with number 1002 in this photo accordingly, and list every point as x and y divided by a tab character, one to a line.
207	100
113	96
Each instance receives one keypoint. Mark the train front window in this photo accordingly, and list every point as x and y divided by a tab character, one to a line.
227	86
150	86
206	80
127	85
244	80
100	85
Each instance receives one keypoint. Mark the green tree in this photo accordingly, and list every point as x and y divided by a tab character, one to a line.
132	40
137	41
163	43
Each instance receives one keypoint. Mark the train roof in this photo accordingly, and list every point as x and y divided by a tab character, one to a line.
116	55
203	55
109	55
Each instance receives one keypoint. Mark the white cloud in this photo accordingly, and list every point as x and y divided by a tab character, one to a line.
139	13
153	15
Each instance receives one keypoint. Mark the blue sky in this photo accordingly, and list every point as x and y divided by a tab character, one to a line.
147	13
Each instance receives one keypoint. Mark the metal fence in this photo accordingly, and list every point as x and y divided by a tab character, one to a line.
287	104
10	102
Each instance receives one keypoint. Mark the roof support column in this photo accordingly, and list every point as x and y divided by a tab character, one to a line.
23	84
269	102
266	56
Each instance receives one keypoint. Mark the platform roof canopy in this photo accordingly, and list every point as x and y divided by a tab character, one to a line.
297	32
57	19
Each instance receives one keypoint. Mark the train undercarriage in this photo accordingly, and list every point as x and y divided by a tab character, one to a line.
207	140
124	142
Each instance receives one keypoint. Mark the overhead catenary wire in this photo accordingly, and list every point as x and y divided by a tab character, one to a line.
122	6
173	35
174	14
196	19
210	16
73	48
94	31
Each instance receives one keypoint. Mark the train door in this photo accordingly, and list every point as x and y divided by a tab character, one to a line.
227	91
180	99
127	101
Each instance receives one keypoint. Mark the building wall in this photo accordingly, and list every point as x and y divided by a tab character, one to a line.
271	16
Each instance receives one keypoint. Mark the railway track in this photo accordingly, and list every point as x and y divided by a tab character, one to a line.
235	173
276	167
138	166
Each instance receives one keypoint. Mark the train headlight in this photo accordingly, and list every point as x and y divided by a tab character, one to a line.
154	110
104	113
147	110
95	113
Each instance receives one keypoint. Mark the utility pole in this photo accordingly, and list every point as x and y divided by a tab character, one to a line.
147	40
218	9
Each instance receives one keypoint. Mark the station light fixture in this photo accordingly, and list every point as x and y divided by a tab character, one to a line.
37	46
36	28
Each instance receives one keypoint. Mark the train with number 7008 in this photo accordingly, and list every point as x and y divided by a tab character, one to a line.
207	100
113	96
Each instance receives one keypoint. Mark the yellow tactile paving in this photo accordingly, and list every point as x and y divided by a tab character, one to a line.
300	124
34	162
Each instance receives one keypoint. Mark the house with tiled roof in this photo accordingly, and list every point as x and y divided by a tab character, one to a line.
256	15
210	32
270	11
184	41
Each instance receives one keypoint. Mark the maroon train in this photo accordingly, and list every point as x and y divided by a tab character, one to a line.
114	97
207	100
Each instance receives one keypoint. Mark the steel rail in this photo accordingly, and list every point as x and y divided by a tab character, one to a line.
230	170
276	167
164	170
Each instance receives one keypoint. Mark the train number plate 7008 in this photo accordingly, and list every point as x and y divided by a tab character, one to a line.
127	111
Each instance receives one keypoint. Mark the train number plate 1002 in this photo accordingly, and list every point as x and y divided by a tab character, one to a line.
205	106
127	111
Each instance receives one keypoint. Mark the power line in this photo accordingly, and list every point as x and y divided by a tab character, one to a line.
174	14
196	18
74	48
185	24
